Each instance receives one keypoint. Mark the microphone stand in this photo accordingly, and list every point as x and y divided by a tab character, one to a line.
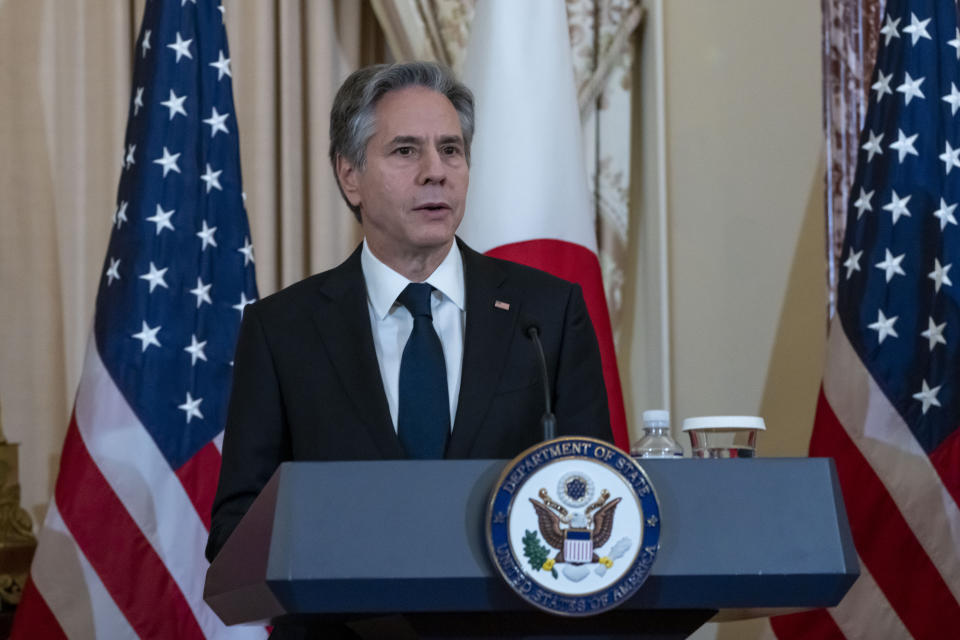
549	421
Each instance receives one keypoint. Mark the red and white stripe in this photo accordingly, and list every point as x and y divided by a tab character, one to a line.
120	554
902	508
529	201
577	550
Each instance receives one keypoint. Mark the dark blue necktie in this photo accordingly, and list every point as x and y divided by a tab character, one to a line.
423	418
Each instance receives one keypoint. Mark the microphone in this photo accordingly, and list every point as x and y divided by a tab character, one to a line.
549	421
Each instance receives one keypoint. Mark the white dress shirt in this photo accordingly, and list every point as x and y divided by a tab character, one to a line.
392	323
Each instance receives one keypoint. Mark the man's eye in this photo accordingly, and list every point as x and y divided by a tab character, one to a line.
450	150
403	151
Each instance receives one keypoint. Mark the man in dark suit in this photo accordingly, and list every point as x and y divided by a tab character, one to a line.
415	346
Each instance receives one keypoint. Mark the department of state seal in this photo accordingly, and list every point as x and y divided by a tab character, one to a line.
573	526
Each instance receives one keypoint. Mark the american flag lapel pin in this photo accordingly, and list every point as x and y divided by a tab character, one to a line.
500	304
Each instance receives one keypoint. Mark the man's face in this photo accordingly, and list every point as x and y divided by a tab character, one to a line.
412	191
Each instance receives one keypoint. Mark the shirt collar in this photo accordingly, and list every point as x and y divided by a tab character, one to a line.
384	284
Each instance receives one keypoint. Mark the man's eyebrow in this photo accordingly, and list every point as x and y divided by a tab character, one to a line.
406	140
451	140
417	140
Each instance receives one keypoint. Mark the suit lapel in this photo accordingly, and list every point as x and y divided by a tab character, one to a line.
341	318
486	342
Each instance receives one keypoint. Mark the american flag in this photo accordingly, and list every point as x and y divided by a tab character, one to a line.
120	554
889	406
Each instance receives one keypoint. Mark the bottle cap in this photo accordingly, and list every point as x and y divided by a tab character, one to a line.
656	415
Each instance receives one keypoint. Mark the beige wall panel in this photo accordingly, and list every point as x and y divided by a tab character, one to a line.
744	139
740	179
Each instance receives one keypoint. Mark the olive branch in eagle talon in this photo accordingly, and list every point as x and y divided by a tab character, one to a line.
537	554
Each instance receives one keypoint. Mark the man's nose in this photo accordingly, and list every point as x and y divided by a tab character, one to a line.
432	167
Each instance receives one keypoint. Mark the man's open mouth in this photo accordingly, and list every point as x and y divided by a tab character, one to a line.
432	206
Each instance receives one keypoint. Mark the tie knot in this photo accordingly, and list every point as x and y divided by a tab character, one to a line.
416	298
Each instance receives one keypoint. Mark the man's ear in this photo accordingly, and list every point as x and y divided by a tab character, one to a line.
348	176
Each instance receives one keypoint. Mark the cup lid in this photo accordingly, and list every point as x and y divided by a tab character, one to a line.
724	422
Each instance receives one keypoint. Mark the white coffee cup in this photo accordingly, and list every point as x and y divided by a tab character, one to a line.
724	436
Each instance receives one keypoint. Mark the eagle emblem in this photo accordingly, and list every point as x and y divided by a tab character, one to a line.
589	536
575	534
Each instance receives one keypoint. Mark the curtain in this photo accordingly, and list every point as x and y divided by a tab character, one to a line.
65	74
64	86
851	29
601	36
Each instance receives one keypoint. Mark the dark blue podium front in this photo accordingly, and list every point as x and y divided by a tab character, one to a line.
351	540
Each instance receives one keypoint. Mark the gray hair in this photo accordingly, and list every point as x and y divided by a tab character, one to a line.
352	119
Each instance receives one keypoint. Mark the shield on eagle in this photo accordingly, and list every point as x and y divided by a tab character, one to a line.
578	546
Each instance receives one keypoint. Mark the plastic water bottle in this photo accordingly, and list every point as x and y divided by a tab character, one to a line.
656	441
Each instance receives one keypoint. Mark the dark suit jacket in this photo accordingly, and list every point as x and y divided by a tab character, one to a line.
307	385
